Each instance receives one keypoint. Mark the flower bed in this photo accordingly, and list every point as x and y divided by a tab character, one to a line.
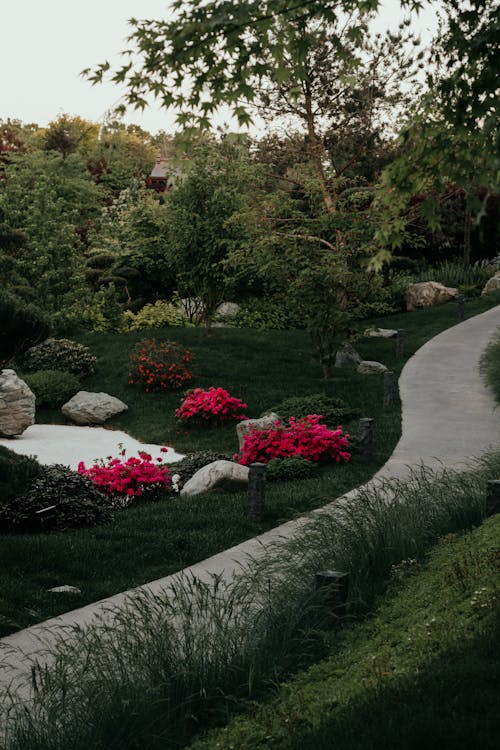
306	437
158	366
123	480
214	406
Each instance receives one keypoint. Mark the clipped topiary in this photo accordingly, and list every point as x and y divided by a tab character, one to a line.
52	387
56	500
290	469
60	354
16	474
188	466
334	410
21	326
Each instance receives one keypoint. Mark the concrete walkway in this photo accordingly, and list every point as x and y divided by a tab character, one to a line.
449	418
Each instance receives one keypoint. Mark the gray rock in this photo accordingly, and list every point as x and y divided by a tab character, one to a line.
492	285
347	356
428	293
88	408
381	333
367	367
17	404
65	590
242	428
228	309
219	476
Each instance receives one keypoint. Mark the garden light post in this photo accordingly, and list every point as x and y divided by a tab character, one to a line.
400	343
388	388
461	306
333	586
256	490
366	438
493	497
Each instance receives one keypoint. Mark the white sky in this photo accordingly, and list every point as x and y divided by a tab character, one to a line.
44	44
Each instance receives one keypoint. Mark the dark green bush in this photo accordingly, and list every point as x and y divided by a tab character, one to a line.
264	314
21	326
289	469
60	354
52	387
334	411
192	463
16	474
66	499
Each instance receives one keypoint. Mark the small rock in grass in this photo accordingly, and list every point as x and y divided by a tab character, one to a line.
87	408
381	333
367	367
347	356
65	590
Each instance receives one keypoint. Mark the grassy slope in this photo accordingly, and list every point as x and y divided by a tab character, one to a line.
148	542
421	673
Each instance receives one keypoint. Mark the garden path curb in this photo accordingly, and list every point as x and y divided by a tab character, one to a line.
449	418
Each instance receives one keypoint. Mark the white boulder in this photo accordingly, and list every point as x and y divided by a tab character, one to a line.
492	285
87	408
347	356
17	404
428	293
243	428
219	476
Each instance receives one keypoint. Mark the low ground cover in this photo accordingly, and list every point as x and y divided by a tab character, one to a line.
168	668
148	542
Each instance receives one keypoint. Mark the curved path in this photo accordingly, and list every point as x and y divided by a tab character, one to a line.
449	417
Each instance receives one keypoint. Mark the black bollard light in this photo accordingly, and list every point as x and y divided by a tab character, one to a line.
400	343
256	490
366	438
461	306
333	586
388	388
493	497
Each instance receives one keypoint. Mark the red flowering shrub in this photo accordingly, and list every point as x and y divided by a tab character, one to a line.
305	437
158	366
123	480
210	407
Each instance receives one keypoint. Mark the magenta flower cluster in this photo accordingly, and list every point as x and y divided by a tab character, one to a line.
306	437
210	407
127	479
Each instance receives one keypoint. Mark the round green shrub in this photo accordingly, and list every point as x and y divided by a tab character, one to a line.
22	326
16	474
161	314
193	462
52	387
266	314
56	500
289	469
60	354
334	411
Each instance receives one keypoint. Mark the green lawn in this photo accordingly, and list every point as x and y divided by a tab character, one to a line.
151	541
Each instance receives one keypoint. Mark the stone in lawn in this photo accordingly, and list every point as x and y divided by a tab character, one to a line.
86	408
381	333
228	309
492	285
219	476
17	404
368	367
347	356
244	427
428	293
65	590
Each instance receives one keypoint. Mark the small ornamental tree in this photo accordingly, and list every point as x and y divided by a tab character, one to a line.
306	437
159	365
214	406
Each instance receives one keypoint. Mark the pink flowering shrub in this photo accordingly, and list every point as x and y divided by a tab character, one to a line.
306	437
210	407
123	480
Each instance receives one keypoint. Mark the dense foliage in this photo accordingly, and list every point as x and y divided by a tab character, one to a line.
22	326
52	387
60	354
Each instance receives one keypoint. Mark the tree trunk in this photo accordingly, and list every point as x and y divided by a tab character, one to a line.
315	151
